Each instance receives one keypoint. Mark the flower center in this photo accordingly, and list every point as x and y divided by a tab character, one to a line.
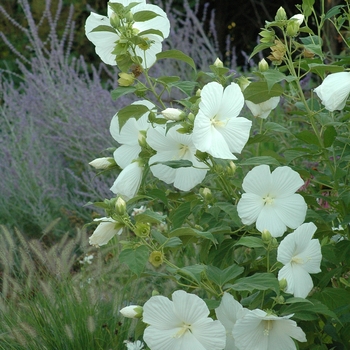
297	260
268	200
185	327
268	327
182	151
215	122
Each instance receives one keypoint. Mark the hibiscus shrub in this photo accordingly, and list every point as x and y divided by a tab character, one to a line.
247	213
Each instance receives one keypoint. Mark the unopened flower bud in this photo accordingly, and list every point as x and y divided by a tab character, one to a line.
263	65
198	92
102	163
292	28
132	311
206	193
281	14
231	169
173	114
114	20
267	36
218	63
129	16
282	284
142	138
299	18
120	206
156	258
266	236
126	79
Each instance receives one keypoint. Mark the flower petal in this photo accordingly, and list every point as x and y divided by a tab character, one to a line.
285	181
269	220
249	207
258	180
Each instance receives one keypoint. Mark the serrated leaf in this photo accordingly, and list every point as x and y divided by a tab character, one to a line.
149	216
179	215
151	31
221	277
251	242
177	55
322	69
168	79
121	91
329	136
259	281
273	76
133	111
260	160
259	48
276	127
185	86
308	137
188	231
258	92
136	259
104	28
193	271
143	16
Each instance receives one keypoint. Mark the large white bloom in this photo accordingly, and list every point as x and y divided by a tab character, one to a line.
334	90
129	137
263	109
229	311
300	255
217	128
105	231
270	199
105	41
260	331
181	324
172	145
128	181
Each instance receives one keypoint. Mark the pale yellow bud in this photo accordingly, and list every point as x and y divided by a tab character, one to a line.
173	114
102	163
132	311
126	79
263	65
218	63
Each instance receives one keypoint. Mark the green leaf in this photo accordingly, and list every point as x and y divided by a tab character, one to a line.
329	136
276	127
308	137
221	277
259	48
143	16
185	86
177	55
149	216
133	111
251	242
176	164
136	259
104	28
193	271
168	80
260	160
172	242
313	43
258	92
188	231
180	214
307	7
231	210
259	281
273	76
150	31
322	69
335	10
121	91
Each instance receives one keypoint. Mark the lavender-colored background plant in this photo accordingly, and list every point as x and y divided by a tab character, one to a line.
55	115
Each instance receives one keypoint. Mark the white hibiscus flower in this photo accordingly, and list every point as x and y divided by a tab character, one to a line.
217	128
300	255
182	323
334	91
107	39
260	331
270	200
129	137
172	145
105	231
